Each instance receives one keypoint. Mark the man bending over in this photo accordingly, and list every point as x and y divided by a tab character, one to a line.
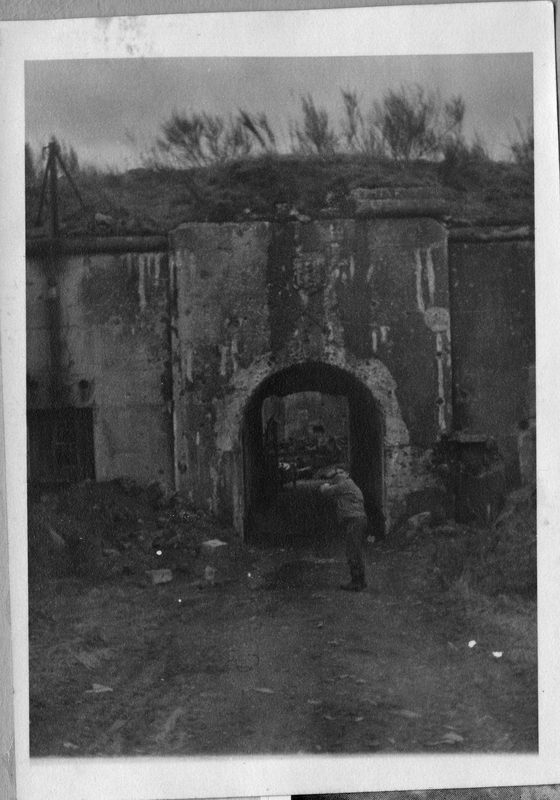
353	520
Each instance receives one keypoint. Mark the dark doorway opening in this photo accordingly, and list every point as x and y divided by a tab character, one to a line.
304	433
60	445
282	503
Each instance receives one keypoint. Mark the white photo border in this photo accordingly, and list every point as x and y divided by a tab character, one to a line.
508	27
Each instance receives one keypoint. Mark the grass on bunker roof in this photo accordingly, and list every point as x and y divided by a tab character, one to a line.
155	200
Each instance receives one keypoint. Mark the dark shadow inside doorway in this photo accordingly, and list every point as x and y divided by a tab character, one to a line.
288	508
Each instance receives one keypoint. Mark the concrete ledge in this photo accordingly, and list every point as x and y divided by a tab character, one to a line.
434	209
98	244
501	233
408	201
382	208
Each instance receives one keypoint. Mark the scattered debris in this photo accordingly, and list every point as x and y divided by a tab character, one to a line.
120	527
84	641
408	714
452	738
212	544
296	214
169	725
210	575
448	529
417	523
57	540
374	744
160	575
448	738
88	659
98	688
104	220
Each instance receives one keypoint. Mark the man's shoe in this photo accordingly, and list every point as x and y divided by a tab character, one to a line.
353	587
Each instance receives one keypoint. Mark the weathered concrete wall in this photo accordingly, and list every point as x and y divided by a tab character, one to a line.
373	289
114	355
493	317
370	297
170	357
219	276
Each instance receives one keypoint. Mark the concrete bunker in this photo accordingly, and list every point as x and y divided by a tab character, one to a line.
277	509
167	350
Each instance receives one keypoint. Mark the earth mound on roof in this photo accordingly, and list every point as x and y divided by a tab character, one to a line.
155	201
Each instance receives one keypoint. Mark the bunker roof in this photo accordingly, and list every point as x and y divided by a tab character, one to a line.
151	202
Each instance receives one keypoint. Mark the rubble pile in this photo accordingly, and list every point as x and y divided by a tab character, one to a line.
96	530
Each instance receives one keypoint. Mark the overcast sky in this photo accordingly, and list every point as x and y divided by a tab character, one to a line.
110	110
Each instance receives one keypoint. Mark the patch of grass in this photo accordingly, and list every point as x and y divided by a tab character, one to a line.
510	558
500	560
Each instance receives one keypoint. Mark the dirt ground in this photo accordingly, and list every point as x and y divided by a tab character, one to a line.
271	657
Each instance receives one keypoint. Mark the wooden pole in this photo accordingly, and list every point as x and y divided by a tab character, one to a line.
53	185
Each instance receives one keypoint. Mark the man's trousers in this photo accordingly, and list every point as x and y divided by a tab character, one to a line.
355	530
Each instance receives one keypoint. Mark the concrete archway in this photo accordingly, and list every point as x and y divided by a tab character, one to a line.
371	386
365	428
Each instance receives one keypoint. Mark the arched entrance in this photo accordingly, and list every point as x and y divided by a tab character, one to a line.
363	452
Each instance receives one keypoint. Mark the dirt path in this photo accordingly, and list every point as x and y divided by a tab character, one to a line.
279	661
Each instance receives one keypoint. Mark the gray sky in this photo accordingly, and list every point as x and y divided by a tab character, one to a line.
96	105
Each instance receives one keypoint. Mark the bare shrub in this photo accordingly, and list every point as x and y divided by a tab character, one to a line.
201	139
497	560
523	148
360	133
314	136
416	124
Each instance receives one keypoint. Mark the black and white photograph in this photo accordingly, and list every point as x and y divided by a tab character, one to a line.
278	403
275	470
